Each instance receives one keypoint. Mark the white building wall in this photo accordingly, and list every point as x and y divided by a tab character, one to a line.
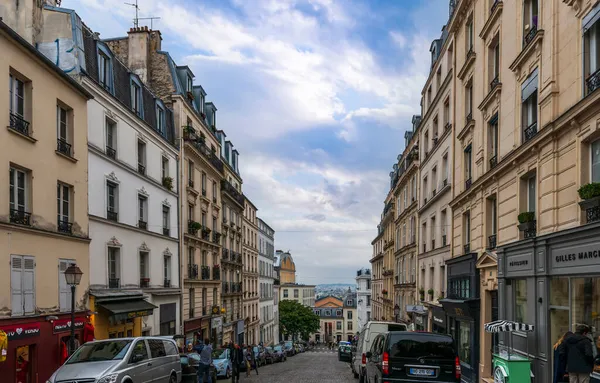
363	296
266	279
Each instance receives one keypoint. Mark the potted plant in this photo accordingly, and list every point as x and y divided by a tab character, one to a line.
590	194
422	293
430	293
168	182
201	139
526	220
188	131
194	226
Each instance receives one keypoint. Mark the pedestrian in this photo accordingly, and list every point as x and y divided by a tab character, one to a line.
251	361
190	347
579	355
560	361
205	362
237	359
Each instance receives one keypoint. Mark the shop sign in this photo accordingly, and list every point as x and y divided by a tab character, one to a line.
217	323
21	331
62	325
573	256
439	321
519	263
137	314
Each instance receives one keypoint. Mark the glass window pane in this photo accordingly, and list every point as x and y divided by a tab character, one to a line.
464	342
596	161
559	292
520	293
585	303
531	193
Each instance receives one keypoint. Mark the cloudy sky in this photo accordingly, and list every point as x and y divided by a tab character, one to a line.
316	96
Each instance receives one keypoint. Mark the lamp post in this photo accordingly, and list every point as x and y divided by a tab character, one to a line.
396	312
73	276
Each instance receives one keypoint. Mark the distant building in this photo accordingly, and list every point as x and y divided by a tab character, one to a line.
266	254
286	267
337	317
304	294
363	294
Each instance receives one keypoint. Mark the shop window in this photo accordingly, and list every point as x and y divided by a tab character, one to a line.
520	293
464	342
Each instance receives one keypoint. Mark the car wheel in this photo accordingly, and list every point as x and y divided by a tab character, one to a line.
173	379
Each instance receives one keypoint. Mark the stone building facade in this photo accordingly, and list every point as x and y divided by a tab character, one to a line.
250	273
266	279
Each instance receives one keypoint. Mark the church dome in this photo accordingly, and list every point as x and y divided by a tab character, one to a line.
287	262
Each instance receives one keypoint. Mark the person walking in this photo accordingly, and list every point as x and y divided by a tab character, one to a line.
560	361
579	355
251	361
237	360
205	362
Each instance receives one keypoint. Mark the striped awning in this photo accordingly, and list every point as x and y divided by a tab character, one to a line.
507	326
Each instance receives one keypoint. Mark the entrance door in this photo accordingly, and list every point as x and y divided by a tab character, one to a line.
25	364
318	338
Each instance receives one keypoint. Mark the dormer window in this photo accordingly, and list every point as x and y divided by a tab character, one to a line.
202	104
105	73
136	96
190	83
160	118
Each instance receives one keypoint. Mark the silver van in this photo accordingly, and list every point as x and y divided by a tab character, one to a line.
122	360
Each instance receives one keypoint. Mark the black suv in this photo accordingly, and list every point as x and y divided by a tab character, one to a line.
402	356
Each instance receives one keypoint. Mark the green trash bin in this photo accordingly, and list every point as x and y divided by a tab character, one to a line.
509	366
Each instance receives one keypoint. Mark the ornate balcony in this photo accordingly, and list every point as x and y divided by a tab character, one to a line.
225	254
229	189
112	153
63	147
18	124
593	81
530	35
444	240
20	217
191	183
492	242
530	132
216	237
144	282
141	169
216	271
205	234
114	283
112	215
493	161
192	271
167	283
592	214
143	225
495	82
208	154
166	231
64	227
205	273
468	183
467	248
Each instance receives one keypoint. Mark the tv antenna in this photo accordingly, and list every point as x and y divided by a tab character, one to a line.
149	18
137	9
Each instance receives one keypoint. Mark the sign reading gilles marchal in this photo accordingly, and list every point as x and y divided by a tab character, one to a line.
573	256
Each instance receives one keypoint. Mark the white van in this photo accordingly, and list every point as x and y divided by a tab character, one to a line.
367	335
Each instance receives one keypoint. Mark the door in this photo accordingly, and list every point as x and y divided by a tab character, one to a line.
159	360
374	362
25	364
140	363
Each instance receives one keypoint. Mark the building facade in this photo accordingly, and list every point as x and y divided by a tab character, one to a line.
45	155
377	276
266	278
250	272
276	332
363	298
304	294
350	315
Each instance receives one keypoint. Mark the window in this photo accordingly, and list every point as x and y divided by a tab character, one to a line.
460	288
17	97
338	325
445	170
469	35
349	314
433	179
591	49
142	211
438	78
166	220
520	291
136	96
165	167
190	173
191	302
19	196
493	141
495	61
22	285
214	192
446	115
468	165
167	270
190	212
530	20
349	325
114	267
529	100
493	216
426	142
203	220
104	68
285	293
63	207
204	184
469	101
296	293
190	84
111	138
160	119
141	154
595	158
112	201
428	97
531	197
425	190
144	265
433	227
64	290
467	231
63	134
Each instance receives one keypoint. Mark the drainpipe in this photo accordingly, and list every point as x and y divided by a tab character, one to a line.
179	255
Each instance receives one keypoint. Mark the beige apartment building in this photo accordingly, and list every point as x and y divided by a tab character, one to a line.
201	172
43	219
435	217
250	272
377	264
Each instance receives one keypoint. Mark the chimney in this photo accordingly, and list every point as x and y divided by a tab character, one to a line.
139	51
155	41
23	17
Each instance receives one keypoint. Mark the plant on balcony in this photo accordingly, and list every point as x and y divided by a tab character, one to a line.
430	293
590	194
168	182
422	293
526	220
217	267
384	292
205	230
194	226
188	131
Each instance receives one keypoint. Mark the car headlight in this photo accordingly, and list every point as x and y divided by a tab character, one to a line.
111	378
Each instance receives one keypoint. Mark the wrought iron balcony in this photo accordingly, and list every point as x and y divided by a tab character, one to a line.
492	241
166	231
469	118
143	225
467	248
203	192
531	231
468	183
205	273
425	201
445	183
167	283
114	283
225	254
141	169
444	240
18	124
216	271
216	237
530	35
144	282
191	183
205	234
63	147
192	271
433	193
593	81
20	217
229	189
530	132
448	126
208	153
112	215
112	153
192	228
592	214
493	161
64	227
495	82
225	287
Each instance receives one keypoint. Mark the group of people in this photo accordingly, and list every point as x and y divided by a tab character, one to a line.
239	355
574	356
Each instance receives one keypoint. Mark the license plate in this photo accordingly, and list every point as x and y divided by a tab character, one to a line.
422	371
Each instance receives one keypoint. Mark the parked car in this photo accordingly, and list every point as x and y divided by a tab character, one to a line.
137	360
280	354
189	368
270	355
222	362
259	354
345	353
403	356
290	350
371	330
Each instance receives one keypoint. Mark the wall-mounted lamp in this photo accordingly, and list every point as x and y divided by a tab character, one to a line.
51	318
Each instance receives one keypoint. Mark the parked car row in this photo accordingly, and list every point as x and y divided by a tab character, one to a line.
292	348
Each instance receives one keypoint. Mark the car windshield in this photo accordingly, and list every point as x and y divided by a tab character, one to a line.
278	348
345	348
414	345
219	354
99	351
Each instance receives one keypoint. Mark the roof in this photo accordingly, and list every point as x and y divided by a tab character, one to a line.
264	223
296	285
31	49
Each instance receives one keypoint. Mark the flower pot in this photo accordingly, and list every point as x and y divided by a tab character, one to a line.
590	203
526	226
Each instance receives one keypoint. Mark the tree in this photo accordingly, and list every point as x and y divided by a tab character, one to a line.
297	319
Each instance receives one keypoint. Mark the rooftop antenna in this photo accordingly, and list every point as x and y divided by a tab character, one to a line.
137	9
149	18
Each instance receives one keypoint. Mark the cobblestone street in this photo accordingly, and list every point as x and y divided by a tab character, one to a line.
319	365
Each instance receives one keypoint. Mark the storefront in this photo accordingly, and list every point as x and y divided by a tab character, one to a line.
240	331
439	321
36	346
419	316
462	311
552	282
119	314
196	329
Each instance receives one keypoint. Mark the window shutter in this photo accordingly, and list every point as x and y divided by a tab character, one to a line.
64	291
29	284
16	289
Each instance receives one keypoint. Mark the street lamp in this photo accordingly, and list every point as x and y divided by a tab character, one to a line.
73	276
396	312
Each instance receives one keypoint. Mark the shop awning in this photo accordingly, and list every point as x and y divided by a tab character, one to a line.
130	308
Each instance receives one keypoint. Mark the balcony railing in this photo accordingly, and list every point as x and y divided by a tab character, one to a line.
205	273
143	225
63	147
216	237
144	282
531	231
492	242
445	183
495	82
205	234
232	191
467	248
468	183
167	283
424	247
444	240
166	231
192	271
593	81
216	271
191	183
493	161
20	217
592	214
192	229
112	153
530	35
114	283
64	227
112	215
225	254
208	153
469	118
433	193
141	169
432	244
448	126
530	131
18	124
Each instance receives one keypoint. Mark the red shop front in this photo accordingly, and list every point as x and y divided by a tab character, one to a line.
35	348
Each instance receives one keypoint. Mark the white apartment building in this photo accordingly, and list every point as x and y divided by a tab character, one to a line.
363	298
276	337
266	278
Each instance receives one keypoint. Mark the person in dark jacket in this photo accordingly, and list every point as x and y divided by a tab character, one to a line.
560	361
579	355
236	355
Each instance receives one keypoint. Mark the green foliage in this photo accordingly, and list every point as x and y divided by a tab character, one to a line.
430	291
297	319
168	182
589	191
527	216
195	225
421	290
